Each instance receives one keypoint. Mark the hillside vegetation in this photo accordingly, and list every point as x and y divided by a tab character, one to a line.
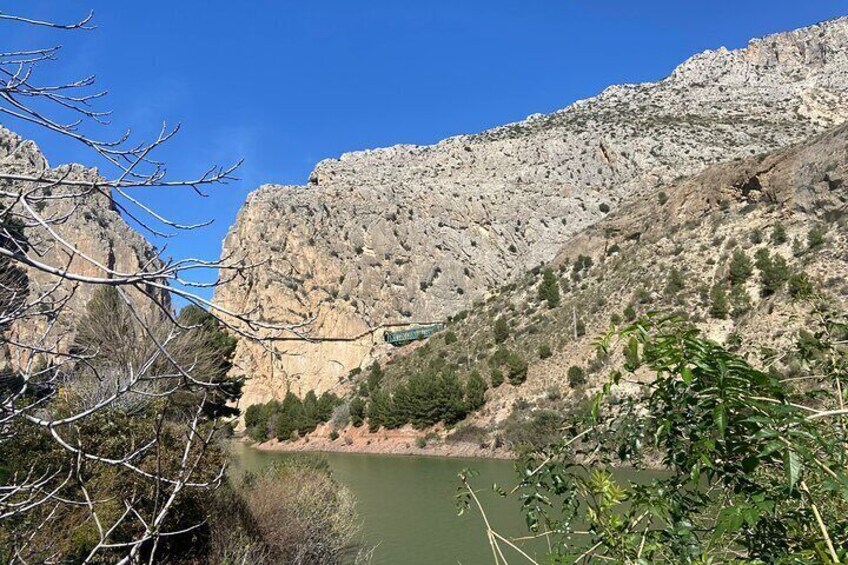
733	250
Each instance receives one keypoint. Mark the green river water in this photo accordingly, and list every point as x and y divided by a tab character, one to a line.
407	505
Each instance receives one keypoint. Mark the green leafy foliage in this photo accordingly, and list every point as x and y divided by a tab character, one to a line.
545	351
756	466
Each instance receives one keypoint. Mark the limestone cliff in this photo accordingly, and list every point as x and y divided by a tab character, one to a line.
88	222
409	233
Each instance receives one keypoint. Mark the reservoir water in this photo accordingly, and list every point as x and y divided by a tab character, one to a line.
408	506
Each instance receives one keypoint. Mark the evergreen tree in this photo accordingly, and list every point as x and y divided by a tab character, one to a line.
718	302
475	391
778	234
357	412
549	288
290	417
501	330
740	267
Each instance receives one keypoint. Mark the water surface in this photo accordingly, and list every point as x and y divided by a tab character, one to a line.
408	505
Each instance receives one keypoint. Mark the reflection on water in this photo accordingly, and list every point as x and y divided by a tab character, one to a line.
408	508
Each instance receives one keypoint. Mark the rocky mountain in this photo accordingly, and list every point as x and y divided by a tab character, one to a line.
411	233
748	251
89	222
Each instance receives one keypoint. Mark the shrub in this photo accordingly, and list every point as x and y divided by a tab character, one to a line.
516	369
513	248
334	435
662	198
740	300
526	434
604	207
545	351
815	236
357	411
475	392
375	377
756	236
778	234
582	263
576	376
615	319
773	271
580	328
420	442
674	283
450	337
740	267
800	286
549	288
629	313
718	302
497	377
291	512
501	330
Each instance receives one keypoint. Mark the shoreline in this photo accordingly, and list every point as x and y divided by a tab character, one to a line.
405	441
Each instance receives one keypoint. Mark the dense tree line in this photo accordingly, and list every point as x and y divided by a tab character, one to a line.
290	418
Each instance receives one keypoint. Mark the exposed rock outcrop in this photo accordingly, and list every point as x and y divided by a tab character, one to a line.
409	233
88	222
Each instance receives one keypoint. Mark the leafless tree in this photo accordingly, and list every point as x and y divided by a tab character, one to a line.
57	389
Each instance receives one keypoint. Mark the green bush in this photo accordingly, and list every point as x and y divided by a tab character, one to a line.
549	288
450	337
740	300
375	377
778	234
501	330
800	286
576	376
740	267
475	392
662	198
604	207
719	307
580	328
497	377
815	236
545	351
675	283
357	411
629	313
334	435
756	236
773	271
516	369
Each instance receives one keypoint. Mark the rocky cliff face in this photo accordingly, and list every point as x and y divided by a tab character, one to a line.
89	223
409	233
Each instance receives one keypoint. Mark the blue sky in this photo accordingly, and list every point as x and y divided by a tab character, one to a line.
286	84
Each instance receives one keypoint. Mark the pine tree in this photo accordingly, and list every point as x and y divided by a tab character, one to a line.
475	390
718	302
740	267
549	288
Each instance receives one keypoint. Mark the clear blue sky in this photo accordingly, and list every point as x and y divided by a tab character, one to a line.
285	84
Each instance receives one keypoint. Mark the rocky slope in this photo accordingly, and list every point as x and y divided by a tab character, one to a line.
664	253
89	223
410	233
